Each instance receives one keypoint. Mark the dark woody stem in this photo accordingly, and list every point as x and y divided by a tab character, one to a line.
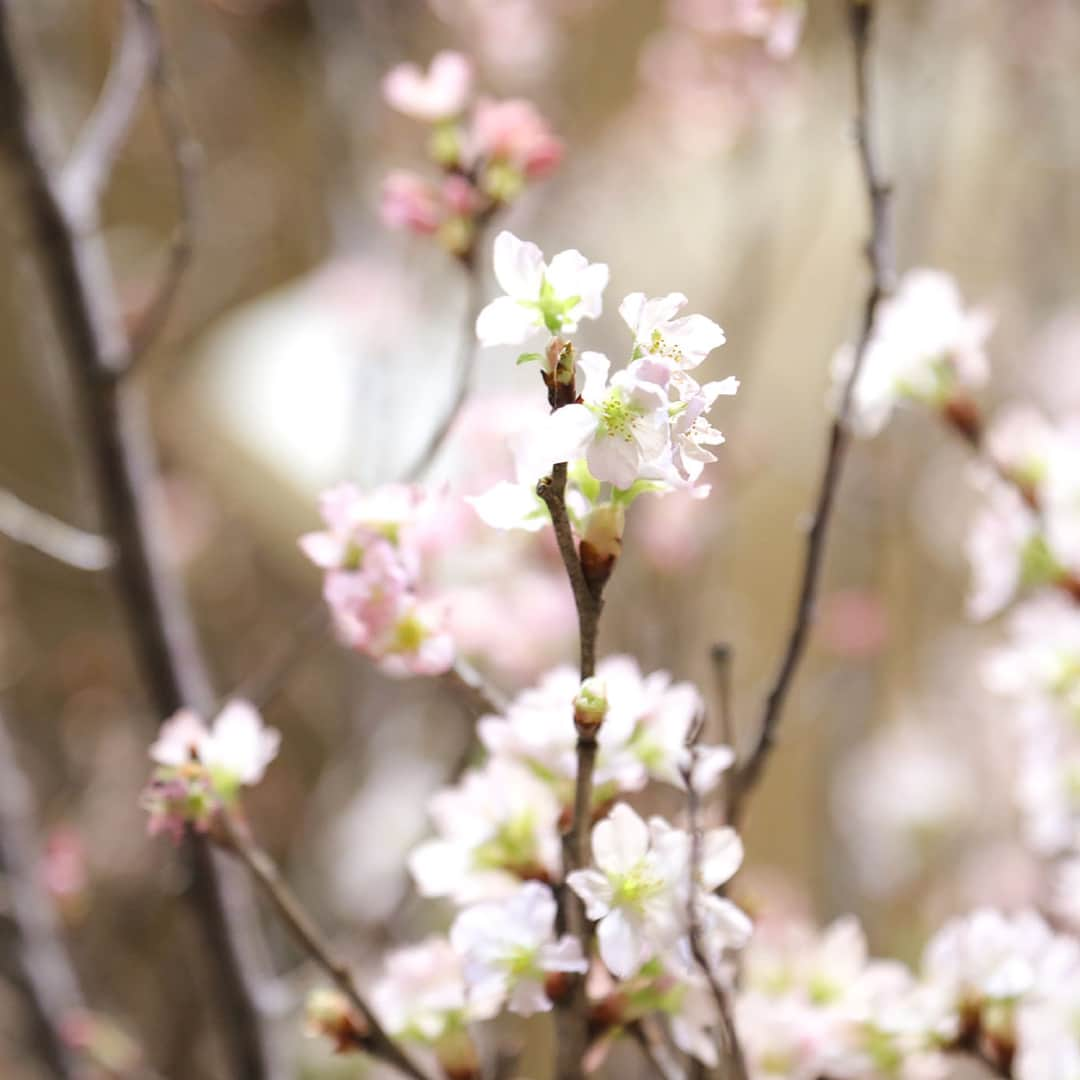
571	1014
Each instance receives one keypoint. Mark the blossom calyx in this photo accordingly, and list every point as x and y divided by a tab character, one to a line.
329	1013
601	546
590	707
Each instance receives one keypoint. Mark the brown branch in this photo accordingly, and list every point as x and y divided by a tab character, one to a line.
81	294
308	935
65	543
571	1011
466	366
42	966
85	177
729	1037
879	255
186	157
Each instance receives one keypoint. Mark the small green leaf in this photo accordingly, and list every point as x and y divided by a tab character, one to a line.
528	358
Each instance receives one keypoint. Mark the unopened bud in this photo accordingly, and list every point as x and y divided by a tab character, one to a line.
964	418
559	373
330	1014
602	544
590	706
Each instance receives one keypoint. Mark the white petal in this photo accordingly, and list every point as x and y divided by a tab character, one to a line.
505	322
721	856
510	506
564	955
557	437
533	909
616	460
518	266
631	310
620	945
437	867
528	998
620	841
180	736
594	888
596	367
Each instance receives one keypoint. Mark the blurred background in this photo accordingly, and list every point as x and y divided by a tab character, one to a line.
309	345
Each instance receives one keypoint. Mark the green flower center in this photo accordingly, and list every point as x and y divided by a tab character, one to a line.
617	416
409	634
660	346
638	885
554	310
512	848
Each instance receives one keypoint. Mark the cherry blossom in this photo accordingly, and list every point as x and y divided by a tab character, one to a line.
372	554
499	826
539	296
925	347
638	892
439	94
509	948
681	342
236	748
514	135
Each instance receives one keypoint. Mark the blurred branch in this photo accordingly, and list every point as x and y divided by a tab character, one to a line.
645	1032
81	292
729	1036
880	258
32	528
40	959
377	1042
466	365
186	156
84	179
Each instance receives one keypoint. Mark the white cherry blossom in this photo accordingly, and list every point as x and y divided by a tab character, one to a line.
509	947
552	297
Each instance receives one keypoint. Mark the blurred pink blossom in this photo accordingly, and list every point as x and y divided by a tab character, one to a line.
438	94
410	202
514	132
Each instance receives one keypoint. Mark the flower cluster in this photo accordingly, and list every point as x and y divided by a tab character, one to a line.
642	428
497	856
372	555
200	769
815	1004
486	156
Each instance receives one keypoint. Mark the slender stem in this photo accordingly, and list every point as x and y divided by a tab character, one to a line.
729	1036
89	168
186	157
24	524
42	966
311	938
879	255
571	1010
657	1052
466	364
81	294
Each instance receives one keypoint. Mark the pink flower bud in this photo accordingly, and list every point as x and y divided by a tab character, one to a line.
410	202
515	132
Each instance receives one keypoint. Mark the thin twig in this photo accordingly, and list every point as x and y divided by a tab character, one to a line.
186	157
879	255
466	365
89	168
82	298
310	937
65	543
41	961
729	1036
656	1050
571	1011
474	691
